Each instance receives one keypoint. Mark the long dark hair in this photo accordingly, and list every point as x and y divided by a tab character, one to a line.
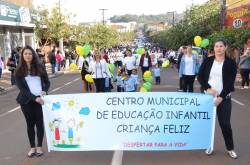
36	68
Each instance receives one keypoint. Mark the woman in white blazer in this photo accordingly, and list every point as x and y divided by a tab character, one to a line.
99	70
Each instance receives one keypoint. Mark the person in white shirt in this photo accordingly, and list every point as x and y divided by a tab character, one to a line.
129	62
217	76
99	70
188	69
33	83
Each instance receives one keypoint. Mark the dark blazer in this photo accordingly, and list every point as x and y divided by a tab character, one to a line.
229	71
25	95
142	61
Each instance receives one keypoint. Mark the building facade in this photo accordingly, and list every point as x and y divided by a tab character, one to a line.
238	13
16	25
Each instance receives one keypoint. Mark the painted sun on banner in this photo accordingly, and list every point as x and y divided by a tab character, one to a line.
119	121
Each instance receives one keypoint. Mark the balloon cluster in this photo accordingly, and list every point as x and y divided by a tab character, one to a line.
140	51
83	50
198	41
147	85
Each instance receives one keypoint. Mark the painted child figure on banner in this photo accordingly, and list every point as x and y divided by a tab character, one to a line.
70	124
56	123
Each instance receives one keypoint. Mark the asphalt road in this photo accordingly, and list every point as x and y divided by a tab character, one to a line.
14	142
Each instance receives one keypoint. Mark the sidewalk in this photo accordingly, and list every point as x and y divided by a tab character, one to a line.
5	83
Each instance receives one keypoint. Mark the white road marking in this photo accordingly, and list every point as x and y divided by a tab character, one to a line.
68	83
238	102
117	158
56	89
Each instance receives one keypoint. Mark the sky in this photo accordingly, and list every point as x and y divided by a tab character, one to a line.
88	10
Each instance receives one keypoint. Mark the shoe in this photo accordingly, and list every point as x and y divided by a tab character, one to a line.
180	90
39	154
31	153
209	151
232	154
246	87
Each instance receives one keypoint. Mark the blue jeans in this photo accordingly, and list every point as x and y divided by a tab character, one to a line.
1	72
13	79
53	68
158	80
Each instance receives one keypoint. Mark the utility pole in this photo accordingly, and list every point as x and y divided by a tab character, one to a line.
103	10
61	39
223	13
173	17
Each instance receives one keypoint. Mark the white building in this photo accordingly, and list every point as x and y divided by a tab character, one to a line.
123	26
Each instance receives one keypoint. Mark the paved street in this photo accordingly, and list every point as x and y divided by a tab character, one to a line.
14	142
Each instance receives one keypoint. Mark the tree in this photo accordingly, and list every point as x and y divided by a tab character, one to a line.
50	27
126	37
200	20
101	36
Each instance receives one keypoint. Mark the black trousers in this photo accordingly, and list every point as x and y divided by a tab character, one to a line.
181	83
158	80
224	115
120	89
100	84
34	117
245	76
188	83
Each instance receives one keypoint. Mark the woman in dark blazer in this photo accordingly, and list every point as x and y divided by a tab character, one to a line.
145	62
33	83
216	76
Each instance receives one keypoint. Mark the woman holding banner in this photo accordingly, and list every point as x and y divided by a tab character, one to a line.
217	75
33	83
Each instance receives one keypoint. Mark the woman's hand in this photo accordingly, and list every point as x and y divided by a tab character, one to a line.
217	101
212	92
39	100
43	93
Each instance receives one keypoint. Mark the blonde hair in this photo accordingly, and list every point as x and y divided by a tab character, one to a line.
96	53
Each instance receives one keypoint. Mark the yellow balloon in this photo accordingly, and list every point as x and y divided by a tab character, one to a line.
79	50
197	40
73	67
147	74
89	78
165	64
142	89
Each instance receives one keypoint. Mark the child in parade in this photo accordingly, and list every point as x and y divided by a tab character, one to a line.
157	74
135	76
119	80
129	83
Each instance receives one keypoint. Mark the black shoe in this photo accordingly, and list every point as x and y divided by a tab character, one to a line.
31	154
39	154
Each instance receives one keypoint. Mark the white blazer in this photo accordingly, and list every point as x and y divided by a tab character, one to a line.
99	69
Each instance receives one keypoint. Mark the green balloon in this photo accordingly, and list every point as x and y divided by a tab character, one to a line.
147	85
204	43
149	79
194	52
111	68
86	49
